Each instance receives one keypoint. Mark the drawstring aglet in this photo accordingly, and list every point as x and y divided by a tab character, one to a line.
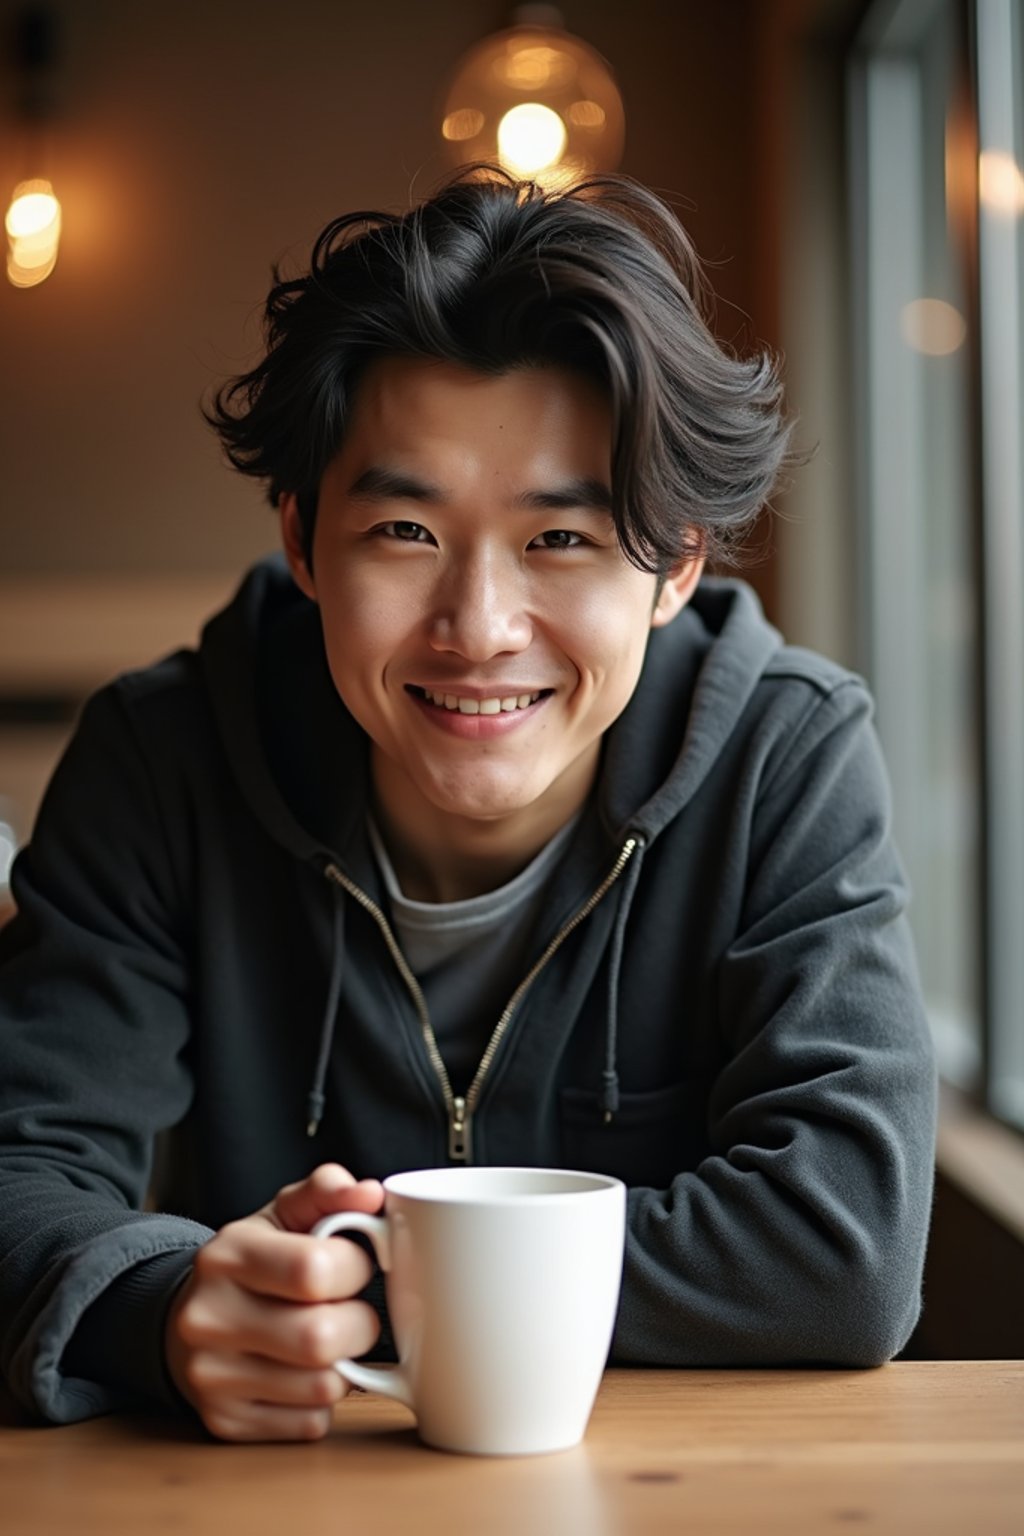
610	1095
314	1111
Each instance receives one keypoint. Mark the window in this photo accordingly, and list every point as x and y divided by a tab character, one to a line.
937	207
1000	56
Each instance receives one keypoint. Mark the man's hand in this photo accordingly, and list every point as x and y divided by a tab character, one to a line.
252	1334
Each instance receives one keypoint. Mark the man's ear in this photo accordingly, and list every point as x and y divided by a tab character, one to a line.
676	590
294	543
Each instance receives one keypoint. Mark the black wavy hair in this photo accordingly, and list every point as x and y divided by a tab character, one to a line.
496	273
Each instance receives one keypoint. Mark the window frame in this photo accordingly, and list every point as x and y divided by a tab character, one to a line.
989	97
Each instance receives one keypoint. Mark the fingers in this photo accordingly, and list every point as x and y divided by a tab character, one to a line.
217	1321
247	1422
260	1423
251	1336
288	1265
265	1383
263	1369
329	1188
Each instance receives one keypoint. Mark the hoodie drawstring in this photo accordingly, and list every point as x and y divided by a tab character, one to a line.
610	1075
315	1102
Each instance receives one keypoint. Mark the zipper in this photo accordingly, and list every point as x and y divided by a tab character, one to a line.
459	1145
460	1110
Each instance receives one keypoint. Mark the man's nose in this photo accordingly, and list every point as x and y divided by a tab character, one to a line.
480	609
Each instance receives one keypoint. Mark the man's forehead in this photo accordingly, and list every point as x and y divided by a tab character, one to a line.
393	381
433	422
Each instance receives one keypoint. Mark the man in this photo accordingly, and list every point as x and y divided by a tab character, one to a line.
489	829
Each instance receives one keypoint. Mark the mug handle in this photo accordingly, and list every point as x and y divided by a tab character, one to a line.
388	1380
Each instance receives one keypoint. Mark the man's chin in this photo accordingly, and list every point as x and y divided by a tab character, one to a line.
483	812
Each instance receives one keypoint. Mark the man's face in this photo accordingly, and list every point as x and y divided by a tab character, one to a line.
481	621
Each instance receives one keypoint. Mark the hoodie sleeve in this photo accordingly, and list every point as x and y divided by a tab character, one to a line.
93	1039
802	1238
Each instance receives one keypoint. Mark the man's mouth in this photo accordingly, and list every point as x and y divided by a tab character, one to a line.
499	704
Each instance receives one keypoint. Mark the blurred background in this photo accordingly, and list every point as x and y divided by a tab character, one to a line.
851	173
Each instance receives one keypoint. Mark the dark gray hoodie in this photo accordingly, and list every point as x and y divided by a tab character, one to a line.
721	1004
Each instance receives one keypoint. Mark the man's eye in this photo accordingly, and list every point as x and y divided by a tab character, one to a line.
557	538
408	533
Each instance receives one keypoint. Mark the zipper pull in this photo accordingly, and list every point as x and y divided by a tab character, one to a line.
459	1142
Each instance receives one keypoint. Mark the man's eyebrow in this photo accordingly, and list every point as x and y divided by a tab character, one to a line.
583	494
379	484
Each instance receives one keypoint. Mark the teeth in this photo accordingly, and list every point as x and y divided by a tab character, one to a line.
481	706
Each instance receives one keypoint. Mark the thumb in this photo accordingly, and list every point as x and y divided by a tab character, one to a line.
329	1188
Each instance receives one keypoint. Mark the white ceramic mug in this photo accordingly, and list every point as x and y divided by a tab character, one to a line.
502	1287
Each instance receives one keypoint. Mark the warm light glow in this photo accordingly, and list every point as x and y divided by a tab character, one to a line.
33	209
1000	182
33	233
932	326
586	114
535	68
530	138
465	123
534	98
961	173
27	277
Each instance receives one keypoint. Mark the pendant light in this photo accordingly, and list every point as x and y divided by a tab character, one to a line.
539	101
33	219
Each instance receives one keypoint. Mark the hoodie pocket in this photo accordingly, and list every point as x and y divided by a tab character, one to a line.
651	1137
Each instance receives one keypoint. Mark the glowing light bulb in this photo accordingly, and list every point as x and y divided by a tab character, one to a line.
540	101
33	209
530	138
33	233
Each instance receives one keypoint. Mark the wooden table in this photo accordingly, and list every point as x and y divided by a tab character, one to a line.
913	1447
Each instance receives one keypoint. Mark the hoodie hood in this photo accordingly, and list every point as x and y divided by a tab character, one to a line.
287	735
698	677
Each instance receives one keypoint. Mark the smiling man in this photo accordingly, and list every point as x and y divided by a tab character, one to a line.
484	827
